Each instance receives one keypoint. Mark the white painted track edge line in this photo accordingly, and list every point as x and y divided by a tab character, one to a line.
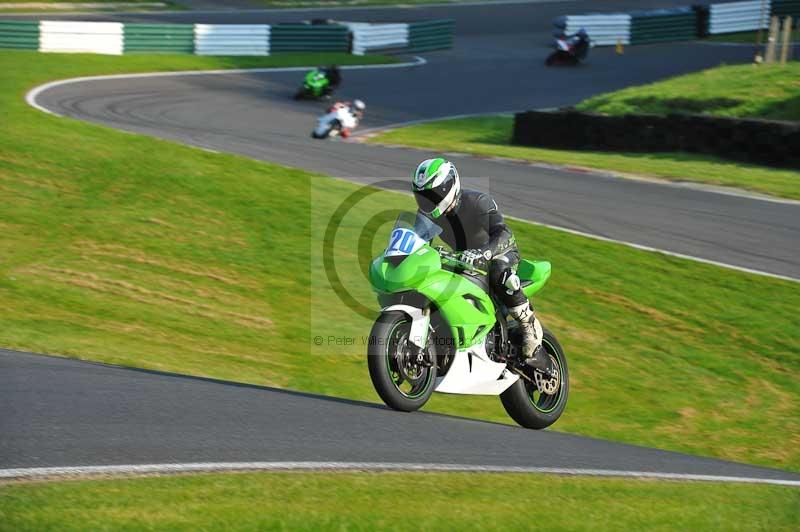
640	247
33	94
44	472
643	247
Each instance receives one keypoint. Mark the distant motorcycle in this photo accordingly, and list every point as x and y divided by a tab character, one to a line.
569	49
319	83
340	119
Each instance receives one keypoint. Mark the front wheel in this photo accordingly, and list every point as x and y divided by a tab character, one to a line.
401	380
535	409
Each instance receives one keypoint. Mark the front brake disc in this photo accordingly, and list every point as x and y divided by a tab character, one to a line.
548	386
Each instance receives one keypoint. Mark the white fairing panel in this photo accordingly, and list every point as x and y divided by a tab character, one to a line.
420	320
472	372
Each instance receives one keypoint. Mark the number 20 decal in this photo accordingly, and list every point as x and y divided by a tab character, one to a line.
402	240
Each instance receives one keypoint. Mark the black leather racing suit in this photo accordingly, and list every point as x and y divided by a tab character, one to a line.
476	223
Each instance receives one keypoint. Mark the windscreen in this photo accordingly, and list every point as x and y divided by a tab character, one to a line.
410	232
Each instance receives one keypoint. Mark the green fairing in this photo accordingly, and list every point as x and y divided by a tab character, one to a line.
537	272
316	81
470	318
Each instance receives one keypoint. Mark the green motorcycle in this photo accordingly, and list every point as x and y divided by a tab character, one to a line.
440	329
319	83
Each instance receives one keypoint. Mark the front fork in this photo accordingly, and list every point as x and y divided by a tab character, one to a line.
420	330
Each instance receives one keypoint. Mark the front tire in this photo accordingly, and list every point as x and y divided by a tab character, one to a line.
529	407
399	382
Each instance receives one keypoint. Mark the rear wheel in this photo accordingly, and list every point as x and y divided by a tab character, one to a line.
401	380
535	409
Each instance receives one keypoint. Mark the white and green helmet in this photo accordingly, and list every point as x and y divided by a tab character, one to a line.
436	186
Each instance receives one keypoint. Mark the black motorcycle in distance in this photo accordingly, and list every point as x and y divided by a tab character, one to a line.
569	49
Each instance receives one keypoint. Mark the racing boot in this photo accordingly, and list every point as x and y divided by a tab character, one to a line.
534	354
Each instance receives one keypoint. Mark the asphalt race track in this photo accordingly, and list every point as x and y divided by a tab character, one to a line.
64	413
252	114
59	412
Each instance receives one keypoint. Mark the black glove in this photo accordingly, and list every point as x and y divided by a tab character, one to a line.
477	258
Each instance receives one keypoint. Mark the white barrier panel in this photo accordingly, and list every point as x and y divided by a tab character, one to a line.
231	39
86	37
738	16
370	37
602	29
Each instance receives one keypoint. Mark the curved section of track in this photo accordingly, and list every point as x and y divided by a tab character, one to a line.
251	113
59	412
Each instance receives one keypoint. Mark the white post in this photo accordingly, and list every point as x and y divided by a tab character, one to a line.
787	38
772	40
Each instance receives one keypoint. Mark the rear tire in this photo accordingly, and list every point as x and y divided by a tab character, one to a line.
387	340
531	409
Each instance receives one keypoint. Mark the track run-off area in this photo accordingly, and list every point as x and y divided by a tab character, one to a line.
66	417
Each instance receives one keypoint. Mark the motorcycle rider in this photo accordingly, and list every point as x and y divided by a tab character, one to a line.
333	75
472	224
356	108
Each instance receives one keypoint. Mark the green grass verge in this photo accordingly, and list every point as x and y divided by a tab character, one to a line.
766	91
491	136
350	3
396	501
142	252
66	6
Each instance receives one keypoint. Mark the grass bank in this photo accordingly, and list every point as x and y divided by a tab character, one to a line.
430	501
65	6
142	252
766	91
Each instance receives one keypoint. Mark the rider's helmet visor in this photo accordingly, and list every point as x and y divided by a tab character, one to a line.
428	200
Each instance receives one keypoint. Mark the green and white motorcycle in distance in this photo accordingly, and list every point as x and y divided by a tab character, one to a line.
441	330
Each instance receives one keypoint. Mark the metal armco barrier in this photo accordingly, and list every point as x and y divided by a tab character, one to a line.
80	37
310	38
679	24
738	16
159	38
225	39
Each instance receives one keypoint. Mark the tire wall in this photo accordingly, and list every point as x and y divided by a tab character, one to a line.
770	143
